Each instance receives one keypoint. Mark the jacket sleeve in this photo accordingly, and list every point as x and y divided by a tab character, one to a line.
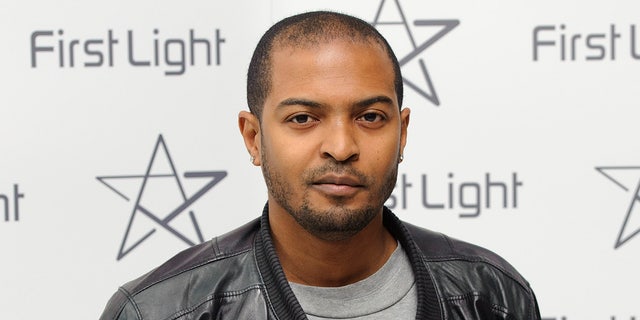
536	309
121	307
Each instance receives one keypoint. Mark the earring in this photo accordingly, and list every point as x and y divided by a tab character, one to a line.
401	158
252	159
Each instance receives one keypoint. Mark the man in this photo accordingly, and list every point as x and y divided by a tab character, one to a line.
327	128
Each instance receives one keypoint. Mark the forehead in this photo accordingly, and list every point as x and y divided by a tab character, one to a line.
341	66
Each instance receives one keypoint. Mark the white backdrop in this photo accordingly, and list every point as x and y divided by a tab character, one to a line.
522	139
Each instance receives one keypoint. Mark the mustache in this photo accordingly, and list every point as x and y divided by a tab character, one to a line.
313	174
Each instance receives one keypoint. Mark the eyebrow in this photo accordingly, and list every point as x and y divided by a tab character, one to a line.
314	104
299	102
373	100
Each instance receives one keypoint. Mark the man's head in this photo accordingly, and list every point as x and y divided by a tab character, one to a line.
304	31
326	125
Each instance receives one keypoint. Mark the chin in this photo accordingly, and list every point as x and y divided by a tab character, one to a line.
334	223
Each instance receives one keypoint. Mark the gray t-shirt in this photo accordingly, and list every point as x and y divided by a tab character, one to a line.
390	293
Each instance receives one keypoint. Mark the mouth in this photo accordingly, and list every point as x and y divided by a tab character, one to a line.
338	185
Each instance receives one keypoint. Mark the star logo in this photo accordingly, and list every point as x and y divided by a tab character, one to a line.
160	198
628	179
390	20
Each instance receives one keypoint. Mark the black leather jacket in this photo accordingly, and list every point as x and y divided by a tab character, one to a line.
238	276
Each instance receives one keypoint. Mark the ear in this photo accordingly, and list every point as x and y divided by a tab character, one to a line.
404	124
250	131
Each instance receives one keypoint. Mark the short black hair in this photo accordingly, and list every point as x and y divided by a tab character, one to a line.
308	29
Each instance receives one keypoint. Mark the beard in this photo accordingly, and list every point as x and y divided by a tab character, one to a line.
337	222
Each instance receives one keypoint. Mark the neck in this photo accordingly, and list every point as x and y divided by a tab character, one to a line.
309	260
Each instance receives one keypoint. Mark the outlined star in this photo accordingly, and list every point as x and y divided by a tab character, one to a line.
427	90
165	220
629	181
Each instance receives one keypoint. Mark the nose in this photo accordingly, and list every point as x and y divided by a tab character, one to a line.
340	143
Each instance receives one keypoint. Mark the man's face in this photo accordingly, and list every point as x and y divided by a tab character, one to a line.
331	135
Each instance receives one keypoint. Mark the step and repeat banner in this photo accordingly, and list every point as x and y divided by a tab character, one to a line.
119	144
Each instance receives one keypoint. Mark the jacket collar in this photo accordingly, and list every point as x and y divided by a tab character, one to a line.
284	302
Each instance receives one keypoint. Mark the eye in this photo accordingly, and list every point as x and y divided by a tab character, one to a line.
371	117
372	120
300	119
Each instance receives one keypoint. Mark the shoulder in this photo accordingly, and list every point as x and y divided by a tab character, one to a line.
437	246
466	274
204	255
196	274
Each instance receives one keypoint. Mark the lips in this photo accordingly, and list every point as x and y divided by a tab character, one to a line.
340	180
338	185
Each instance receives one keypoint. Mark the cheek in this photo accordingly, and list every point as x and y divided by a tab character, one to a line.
384	151
285	152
